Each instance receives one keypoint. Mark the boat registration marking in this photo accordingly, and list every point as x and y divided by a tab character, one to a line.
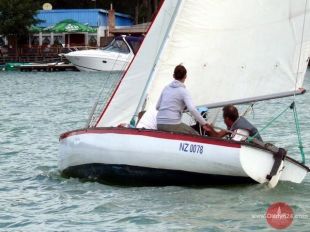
192	148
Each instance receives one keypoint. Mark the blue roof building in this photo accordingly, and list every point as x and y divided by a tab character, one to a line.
92	17
96	18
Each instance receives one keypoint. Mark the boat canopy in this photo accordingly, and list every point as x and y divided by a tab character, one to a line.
134	42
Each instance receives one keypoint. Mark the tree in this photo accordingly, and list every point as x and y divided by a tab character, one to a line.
16	16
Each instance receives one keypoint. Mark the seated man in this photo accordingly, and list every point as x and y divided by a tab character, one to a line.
172	102
241	127
147	119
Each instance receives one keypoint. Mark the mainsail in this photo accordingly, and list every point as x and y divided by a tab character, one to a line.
233	50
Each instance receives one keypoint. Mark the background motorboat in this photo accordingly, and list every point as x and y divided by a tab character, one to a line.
115	57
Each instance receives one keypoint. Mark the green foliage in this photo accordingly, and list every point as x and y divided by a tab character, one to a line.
16	16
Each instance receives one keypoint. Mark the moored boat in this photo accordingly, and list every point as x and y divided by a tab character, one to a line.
115	57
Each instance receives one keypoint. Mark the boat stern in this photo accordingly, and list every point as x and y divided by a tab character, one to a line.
259	164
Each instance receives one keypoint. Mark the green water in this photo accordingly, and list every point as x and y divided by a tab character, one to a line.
37	107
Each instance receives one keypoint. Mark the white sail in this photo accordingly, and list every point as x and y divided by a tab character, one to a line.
232	49
124	103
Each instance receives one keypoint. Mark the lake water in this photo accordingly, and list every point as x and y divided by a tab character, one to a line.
37	107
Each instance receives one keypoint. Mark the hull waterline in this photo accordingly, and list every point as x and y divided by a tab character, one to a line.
97	60
140	176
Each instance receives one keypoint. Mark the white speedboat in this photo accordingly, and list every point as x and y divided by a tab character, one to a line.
115	57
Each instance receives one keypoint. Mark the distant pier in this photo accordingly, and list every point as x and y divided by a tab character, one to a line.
46	67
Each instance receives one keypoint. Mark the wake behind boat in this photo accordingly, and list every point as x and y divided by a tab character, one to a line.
242	52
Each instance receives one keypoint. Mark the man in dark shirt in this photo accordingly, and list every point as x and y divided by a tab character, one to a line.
236	125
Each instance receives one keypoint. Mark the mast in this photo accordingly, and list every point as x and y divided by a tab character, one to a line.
153	71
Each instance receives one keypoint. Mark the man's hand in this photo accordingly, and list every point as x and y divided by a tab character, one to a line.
208	128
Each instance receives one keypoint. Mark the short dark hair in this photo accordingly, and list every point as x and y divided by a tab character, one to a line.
231	112
179	72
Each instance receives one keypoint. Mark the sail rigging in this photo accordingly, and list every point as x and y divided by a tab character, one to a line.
128	95
234	50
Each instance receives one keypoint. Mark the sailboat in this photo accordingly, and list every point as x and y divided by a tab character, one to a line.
236	52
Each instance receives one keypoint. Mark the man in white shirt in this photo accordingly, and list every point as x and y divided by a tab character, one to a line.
148	120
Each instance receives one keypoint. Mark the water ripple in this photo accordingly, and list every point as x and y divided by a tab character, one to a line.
37	107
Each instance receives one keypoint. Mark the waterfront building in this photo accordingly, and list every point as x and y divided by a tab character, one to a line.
102	21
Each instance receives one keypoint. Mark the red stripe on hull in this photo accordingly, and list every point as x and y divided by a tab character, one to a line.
155	134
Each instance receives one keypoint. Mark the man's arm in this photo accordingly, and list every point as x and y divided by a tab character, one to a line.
213	133
192	109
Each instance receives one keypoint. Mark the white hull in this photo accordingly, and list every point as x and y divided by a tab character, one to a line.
156	150
99	60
